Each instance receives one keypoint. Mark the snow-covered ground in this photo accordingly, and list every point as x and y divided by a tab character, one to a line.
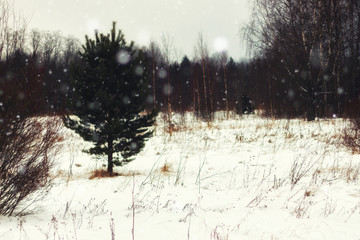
243	178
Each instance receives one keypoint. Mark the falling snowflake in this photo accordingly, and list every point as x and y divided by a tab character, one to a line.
123	57
162	73
220	44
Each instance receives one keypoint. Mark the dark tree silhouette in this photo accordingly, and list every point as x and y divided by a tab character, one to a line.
109	93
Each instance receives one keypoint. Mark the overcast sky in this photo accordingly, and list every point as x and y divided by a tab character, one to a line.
145	20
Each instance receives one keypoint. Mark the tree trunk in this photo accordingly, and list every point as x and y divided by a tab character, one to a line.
271	102
110	155
226	91
194	92
352	49
198	94
169	102
154	85
211	95
205	91
310	116
310	105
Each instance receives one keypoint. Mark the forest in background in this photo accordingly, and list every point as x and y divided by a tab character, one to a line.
304	63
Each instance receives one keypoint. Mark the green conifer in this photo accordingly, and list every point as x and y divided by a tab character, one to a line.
109	92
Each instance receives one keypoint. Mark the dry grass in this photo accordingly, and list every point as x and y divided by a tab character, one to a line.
175	128
348	174
59	173
289	136
351	136
188	128
216	235
95	174
101	173
166	169
130	174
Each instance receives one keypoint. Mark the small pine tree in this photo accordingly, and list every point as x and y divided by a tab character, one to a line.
109	91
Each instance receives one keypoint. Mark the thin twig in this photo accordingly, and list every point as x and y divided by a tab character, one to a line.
133	209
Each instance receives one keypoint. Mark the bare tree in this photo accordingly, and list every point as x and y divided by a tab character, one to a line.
167	51
71	49
210	67
201	51
12	29
196	88
305	41
52	46
155	55
224	58
35	42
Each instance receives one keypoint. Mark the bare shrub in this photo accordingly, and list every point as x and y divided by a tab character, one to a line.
301	167
27	149
351	136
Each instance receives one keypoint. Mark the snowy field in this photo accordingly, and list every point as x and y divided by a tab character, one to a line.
243	178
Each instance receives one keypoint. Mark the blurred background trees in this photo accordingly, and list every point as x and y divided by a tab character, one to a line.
303	62
307	53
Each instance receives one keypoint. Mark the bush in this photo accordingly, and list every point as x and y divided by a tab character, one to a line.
351	136
27	143
26	156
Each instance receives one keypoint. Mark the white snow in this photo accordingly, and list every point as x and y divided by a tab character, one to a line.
243	178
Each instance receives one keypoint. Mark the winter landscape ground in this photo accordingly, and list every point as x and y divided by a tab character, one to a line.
243	178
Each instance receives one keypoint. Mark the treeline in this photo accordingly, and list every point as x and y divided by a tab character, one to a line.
37	73
36	66
306	57
305	63
203	85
